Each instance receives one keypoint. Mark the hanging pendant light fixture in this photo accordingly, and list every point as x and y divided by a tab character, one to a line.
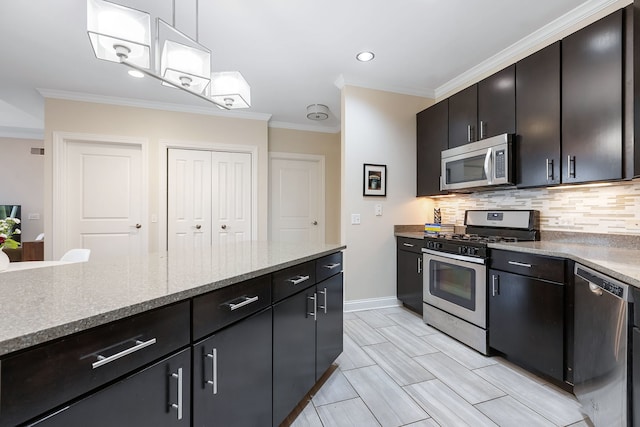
121	34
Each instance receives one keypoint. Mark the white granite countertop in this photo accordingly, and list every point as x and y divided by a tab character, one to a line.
38	305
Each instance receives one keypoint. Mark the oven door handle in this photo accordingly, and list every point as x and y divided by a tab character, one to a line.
454	256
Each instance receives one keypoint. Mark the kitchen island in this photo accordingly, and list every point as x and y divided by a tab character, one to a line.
159	313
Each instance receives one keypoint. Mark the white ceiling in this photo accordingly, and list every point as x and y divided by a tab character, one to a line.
292	52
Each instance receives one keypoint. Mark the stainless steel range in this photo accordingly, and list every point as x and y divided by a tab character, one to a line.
455	271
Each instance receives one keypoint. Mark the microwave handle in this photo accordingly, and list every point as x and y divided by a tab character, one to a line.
488	165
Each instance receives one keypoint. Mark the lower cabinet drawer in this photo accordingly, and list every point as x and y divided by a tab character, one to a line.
532	265
293	279
37	380
328	266
158	396
224	306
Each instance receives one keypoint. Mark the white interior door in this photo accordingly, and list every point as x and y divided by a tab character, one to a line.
297	198
231	202
104	199
189	198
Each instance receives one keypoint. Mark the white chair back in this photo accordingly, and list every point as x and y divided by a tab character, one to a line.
76	255
40	236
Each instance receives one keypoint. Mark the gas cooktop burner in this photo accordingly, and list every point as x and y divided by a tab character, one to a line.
475	238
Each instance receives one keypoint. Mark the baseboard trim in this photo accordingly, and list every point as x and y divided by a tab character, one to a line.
371	303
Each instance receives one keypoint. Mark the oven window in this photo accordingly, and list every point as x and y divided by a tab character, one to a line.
453	283
466	170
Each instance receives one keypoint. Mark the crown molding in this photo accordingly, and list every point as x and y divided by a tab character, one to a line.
307	128
21	133
129	102
566	21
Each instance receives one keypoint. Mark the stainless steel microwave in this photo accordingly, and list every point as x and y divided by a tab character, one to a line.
478	165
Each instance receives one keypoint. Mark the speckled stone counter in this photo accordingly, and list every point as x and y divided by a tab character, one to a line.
41	304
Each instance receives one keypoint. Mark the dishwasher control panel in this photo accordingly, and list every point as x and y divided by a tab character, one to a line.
603	282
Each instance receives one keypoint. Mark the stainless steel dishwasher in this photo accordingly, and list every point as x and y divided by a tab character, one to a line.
601	347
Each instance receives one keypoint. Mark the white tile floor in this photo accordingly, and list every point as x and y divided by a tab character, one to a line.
397	371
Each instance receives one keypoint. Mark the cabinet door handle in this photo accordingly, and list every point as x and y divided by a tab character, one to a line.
549	169
519	264
495	285
331	266
298	279
314	298
246	301
102	360
178	406
468	133
571	163
409	245
483	130
419	265
324	306
213	382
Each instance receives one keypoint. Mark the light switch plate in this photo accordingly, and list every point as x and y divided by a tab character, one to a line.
378	209
355	219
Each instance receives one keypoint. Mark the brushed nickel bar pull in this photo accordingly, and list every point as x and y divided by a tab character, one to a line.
214	368
247	301
102	360
332	266
482	129
178	406
324	306
468	133
419	265
495	285
298	279
520	264
314	298
408	245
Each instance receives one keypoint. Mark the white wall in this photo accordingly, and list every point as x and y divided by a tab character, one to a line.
380	128
23	182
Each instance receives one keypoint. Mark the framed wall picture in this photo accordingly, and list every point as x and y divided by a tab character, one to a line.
375	180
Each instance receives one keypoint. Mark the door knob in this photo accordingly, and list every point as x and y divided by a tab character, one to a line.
198	226
223	226
138	226
315	223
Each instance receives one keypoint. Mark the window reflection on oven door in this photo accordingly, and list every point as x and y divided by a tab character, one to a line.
457	286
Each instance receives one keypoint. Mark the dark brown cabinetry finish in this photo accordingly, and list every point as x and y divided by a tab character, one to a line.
432	139
329	327
463	116
409	273
156	396
232	375
592	99
527	311
497	104
538	118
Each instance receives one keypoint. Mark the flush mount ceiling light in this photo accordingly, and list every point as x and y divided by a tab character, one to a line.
365	56
317	112
121	34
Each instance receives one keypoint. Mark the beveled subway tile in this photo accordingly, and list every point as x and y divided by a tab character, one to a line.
473	388
386	400
559	407
416	326
406	341
335	389
362	333
403	369
374	318
308	417
353	356
348	413
445	406
508	412
458	351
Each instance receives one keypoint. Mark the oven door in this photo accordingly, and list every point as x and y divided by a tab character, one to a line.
456	284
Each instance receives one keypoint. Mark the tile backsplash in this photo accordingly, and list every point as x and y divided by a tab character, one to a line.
612	208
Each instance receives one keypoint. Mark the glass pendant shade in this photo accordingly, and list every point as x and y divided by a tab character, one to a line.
119	33
186	66
229	88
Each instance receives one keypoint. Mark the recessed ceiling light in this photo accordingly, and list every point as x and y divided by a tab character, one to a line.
135	73
365	56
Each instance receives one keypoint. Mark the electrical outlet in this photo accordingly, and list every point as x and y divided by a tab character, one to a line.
355	219
34	216
378	209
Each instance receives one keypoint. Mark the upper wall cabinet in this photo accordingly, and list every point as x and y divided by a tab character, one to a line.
497	103
538	118
463	115
592	99
432	137
483	110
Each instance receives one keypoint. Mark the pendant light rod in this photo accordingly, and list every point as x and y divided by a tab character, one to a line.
162	79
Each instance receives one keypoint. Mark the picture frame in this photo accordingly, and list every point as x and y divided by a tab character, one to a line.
374	180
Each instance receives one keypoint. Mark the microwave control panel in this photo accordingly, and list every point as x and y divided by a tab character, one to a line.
500	164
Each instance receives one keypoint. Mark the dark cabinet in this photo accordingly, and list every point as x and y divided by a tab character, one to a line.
329	330
538	118
527	311
294	351
409	273
592	100
232	375
497	104
156	396
463	116
432	139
